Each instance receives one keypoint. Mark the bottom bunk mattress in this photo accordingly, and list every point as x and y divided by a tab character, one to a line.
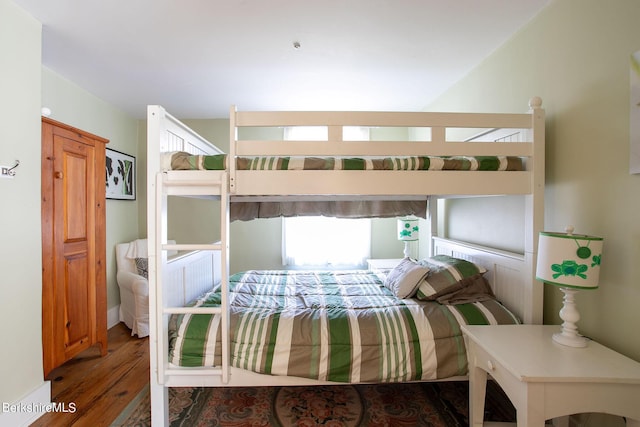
342	326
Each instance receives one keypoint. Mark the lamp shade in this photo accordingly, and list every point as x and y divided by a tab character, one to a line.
569	260
408	229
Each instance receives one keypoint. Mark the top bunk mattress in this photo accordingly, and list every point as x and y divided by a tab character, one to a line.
184	161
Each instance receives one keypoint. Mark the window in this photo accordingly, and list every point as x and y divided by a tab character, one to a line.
322	241
320	133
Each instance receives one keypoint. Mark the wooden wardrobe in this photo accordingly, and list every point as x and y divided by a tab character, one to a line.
74	302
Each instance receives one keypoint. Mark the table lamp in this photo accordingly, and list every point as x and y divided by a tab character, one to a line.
571	262
407	232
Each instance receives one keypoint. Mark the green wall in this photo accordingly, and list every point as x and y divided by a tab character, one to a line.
575	55
20	232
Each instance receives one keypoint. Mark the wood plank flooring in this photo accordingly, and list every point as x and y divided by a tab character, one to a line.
99	387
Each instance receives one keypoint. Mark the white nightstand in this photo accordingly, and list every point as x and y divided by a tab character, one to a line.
547	380
383	264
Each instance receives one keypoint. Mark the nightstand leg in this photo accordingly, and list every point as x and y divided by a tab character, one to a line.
530	410
477	392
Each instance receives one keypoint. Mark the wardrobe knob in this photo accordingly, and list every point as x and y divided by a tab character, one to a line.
58	175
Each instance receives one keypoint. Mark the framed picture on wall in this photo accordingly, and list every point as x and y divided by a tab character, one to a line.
121	176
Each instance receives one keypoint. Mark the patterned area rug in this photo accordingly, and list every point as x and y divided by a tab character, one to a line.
417	404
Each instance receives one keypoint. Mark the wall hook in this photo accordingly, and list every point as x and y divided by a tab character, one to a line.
11	171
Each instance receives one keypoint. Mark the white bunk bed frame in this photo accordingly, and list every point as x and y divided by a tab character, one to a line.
511	275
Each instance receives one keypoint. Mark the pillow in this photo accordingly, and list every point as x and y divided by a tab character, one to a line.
142	265
477	290
405	278
446	275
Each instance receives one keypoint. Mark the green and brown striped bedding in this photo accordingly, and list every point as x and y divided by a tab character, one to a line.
342	326
186	161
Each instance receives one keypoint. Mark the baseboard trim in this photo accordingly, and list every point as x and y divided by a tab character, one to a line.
29	409
113	316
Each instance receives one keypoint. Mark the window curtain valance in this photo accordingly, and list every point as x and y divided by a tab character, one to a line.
245	211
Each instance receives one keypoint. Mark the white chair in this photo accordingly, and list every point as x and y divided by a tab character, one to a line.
134	288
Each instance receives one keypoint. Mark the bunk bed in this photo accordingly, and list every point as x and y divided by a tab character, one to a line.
429	156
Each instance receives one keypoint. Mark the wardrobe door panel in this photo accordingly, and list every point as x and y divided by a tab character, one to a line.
77	316
73	243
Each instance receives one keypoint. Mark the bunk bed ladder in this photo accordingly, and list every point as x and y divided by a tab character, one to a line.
213	188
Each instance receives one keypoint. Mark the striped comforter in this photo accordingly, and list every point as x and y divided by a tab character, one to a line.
186	161
342	326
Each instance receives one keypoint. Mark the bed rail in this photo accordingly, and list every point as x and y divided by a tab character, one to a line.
405	134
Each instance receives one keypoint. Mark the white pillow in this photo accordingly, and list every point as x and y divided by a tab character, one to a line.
405	278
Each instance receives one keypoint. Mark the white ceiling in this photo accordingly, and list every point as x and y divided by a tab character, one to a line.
198	57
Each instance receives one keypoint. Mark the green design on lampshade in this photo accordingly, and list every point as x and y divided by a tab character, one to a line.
583	252
405	233
596	260
569	268
408	230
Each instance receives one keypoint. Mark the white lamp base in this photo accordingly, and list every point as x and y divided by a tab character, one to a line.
569	314
407	251
571	341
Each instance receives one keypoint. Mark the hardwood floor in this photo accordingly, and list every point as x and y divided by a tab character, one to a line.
99	387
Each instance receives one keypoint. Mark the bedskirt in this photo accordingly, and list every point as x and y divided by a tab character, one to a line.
342	326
